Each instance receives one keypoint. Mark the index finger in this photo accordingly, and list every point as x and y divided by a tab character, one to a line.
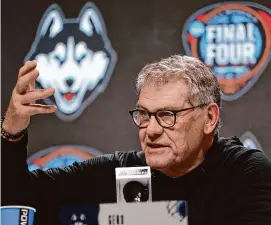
28	66
23	82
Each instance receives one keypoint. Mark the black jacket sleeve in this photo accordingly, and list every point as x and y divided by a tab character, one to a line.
87	181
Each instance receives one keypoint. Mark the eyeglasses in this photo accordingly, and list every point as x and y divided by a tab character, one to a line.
165	118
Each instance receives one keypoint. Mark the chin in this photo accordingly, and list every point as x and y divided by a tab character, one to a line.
156	163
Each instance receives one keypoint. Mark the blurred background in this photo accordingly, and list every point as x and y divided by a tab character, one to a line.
126	35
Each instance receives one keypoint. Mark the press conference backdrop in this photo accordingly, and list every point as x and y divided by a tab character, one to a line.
95	91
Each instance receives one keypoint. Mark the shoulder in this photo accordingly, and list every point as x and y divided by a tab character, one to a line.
117	159
130	158
242	180
233	151
245	163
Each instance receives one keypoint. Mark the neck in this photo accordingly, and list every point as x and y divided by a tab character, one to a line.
193	161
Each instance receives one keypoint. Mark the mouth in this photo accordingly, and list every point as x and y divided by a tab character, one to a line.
69	96
155	146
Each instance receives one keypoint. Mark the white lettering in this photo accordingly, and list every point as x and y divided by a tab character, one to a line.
210	30
235	53
229	33
250	28
222	54
230	44
219	34
24	217
210	54
249	53
240	33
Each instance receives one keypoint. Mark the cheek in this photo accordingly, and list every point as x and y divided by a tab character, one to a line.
142	135
196	128
180	131
193	133
179	138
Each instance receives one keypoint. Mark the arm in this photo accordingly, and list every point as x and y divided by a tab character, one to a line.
15	176
89	181
36	188
14	172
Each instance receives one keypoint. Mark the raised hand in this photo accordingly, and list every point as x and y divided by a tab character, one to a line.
22	103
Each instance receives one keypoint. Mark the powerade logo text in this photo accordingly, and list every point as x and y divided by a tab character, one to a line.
60	156
234	40
23	216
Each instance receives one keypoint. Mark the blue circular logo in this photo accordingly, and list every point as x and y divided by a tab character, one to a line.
60	156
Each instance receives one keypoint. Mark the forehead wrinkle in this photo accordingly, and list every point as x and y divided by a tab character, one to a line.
167	107
171	96
159	108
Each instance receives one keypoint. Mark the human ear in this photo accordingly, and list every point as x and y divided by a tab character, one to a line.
213	113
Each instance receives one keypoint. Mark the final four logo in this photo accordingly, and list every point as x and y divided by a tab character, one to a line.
234	40
60	156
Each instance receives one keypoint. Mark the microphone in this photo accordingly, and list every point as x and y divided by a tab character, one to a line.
133	184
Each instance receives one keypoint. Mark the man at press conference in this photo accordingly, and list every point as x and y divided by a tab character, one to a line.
178	116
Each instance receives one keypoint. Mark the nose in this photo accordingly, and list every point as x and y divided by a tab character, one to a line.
69	82
154	130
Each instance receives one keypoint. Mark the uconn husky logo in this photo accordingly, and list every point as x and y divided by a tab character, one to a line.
74	56
78	219
234	40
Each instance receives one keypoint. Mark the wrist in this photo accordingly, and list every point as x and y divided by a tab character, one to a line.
9	128
10	134
11	123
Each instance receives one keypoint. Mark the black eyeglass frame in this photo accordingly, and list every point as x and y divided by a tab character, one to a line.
155	114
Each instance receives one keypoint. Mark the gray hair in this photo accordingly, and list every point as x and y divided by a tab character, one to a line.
202	83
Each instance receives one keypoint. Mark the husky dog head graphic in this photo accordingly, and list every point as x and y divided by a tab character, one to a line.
74	56
78	219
